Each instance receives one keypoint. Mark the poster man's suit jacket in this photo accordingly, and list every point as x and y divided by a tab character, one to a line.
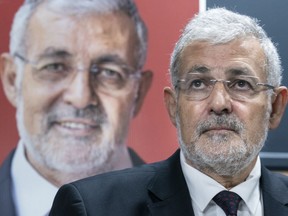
7	205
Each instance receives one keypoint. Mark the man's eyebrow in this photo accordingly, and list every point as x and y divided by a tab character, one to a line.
52	52
199	69
109	59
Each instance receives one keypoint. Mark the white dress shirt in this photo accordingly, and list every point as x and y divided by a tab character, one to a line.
33	195
202	189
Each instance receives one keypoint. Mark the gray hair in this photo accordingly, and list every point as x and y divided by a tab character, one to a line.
18	33
220	26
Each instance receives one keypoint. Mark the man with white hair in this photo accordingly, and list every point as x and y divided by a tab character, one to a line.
74	74
226	94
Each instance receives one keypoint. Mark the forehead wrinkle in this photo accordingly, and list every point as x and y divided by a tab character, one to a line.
120	33
203	69
237	71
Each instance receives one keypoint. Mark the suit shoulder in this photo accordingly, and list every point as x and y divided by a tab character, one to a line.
283	178
273	180
128	176
106	192
122	191
136	176
6	200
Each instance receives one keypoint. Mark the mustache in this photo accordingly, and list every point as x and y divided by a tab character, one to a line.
230	122
91	112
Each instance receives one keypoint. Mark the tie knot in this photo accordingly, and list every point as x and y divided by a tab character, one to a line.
228	201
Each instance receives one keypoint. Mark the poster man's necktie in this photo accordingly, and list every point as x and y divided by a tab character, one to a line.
228	201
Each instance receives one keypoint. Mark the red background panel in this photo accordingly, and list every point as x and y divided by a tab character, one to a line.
151	133
8	131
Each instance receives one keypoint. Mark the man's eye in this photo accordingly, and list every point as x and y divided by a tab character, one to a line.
54	68
110	74
240	84
52	72
196	84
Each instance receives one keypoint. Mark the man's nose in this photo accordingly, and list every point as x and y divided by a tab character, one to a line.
219	99
79	92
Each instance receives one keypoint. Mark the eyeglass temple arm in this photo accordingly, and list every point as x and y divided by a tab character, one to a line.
17	55
266	85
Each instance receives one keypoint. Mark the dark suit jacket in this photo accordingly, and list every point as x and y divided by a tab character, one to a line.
7	206
156	189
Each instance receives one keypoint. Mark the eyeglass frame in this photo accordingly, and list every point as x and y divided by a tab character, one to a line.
227	88
134	75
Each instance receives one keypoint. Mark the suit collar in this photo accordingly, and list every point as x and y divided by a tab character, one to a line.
275	193
168	190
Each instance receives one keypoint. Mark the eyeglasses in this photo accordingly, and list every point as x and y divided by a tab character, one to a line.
199	87
107	76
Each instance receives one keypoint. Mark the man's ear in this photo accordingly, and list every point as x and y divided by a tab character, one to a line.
170	103
144	86
278	106
8	77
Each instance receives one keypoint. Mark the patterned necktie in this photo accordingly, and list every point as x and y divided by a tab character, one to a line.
228	201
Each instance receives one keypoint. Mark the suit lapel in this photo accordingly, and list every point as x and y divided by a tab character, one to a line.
275	194
168	191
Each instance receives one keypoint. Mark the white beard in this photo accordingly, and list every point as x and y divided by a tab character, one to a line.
220	155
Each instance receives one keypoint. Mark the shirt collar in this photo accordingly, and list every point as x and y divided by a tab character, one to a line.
249	190
33	194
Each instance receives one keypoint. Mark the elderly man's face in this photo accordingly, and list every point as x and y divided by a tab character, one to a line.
221	132
70	119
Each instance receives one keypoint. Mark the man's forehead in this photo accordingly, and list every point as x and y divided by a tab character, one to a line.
243	43
46	21
245	56
84	7
47	13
